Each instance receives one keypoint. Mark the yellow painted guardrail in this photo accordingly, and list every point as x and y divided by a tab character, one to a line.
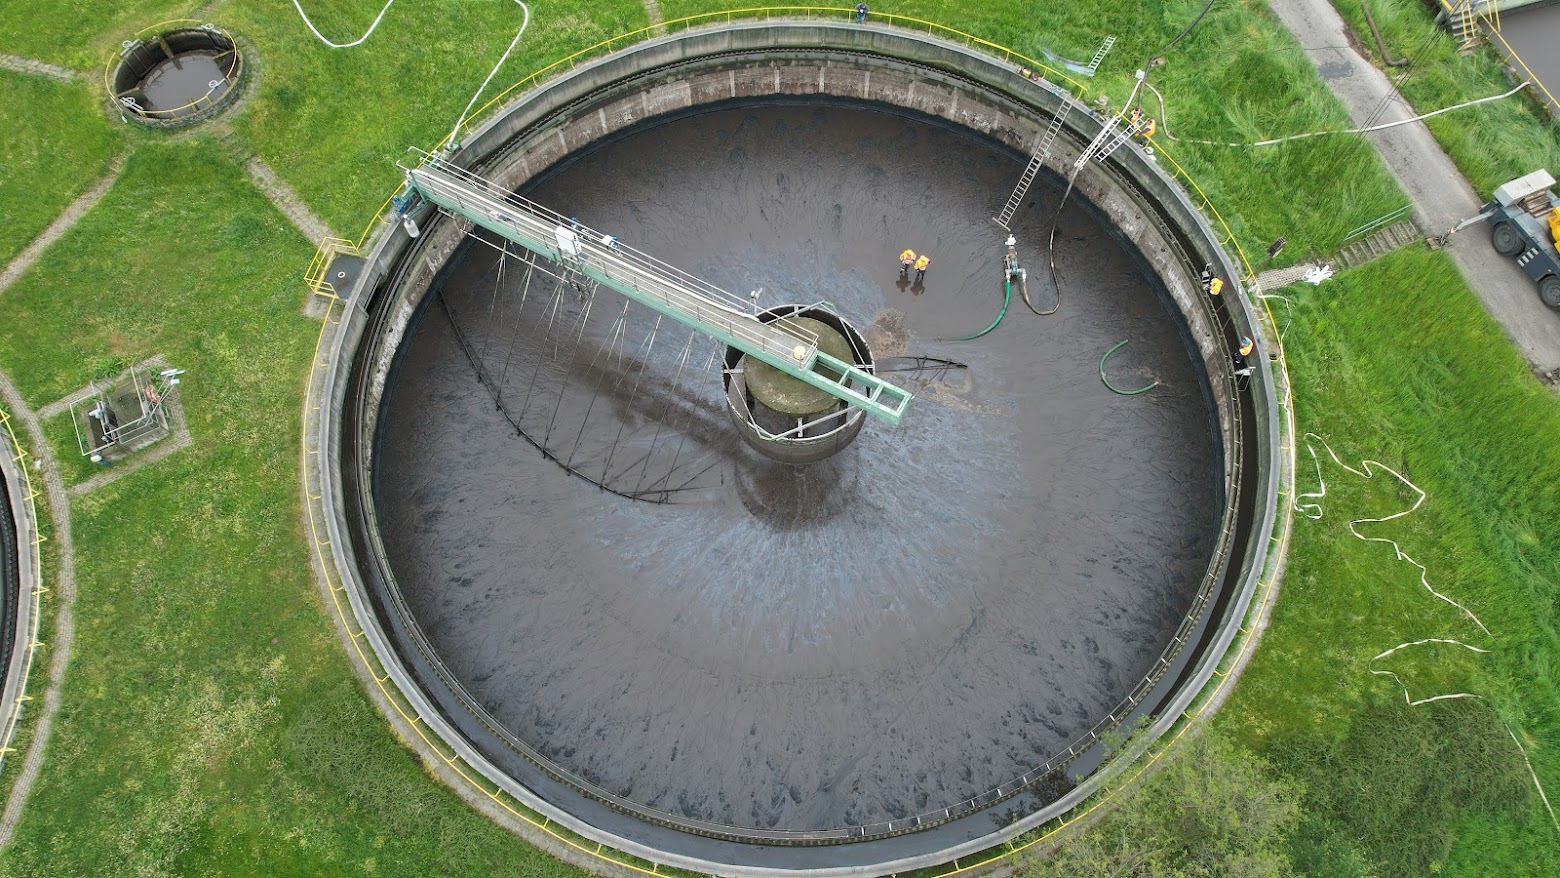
1267	586
8	731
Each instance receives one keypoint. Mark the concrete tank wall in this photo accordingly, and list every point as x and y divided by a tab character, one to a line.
706	67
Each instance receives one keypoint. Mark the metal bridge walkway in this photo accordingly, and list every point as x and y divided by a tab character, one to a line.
651	282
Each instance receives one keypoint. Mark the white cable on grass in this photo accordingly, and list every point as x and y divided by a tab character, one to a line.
356	42
1534	775
524	23
1313	511
1307	509
1404	686
1163	113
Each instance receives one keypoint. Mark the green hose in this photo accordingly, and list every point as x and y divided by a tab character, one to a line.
1007	298
1114	388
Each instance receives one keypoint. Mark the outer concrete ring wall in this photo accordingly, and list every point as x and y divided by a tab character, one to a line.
26	584
1146	204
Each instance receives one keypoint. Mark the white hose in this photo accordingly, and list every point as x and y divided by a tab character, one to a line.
356	42
455	132
1164	113
525	22
1313	511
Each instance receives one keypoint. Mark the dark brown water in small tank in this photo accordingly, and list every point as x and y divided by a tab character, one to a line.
183	84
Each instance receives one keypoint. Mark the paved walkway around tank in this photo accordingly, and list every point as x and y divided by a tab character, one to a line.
1441	196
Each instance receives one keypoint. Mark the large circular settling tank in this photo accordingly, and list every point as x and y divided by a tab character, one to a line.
745	630
726	641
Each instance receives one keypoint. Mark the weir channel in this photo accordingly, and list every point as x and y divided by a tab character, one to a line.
881	661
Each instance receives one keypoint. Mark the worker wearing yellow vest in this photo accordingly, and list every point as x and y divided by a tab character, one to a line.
920	266
906	259
1554	226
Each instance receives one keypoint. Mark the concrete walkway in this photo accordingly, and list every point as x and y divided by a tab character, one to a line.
1440	195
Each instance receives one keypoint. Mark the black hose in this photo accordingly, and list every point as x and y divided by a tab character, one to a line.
1381	43
1180	36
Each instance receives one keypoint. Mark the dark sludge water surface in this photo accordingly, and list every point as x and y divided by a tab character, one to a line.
932	612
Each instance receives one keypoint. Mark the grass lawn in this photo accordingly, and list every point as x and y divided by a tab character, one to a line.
211	724
1395	361
1490	143
333	122
81	33
58	143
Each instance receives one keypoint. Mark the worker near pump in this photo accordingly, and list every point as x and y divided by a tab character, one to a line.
906	259
920	267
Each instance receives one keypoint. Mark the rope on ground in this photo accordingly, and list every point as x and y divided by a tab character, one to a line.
1313	511
525	22
1113	388
1164	118
1531	773
1404	686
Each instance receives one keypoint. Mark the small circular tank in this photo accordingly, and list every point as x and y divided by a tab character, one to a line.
177	77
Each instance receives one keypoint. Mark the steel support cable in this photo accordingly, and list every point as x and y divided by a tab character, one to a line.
1113	388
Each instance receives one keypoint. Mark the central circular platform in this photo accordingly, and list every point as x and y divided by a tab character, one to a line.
793	396
923	617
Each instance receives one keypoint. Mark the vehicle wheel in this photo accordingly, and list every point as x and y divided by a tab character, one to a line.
1506	239
1549	291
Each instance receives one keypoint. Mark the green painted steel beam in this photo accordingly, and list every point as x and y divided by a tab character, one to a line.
666	290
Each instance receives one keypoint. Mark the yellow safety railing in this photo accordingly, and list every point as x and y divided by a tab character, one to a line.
19	455
1267	585
315	275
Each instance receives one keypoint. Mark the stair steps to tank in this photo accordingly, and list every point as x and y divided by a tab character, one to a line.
1379	243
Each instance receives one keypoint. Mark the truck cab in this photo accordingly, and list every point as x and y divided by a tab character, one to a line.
1525	224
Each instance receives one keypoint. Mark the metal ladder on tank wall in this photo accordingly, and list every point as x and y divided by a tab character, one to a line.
1041	153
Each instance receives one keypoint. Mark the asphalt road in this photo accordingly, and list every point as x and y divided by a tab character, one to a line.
1440	195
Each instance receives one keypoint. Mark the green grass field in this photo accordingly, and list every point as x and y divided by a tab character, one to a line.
60	143
81	34
211	724
1397	362
1490	143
